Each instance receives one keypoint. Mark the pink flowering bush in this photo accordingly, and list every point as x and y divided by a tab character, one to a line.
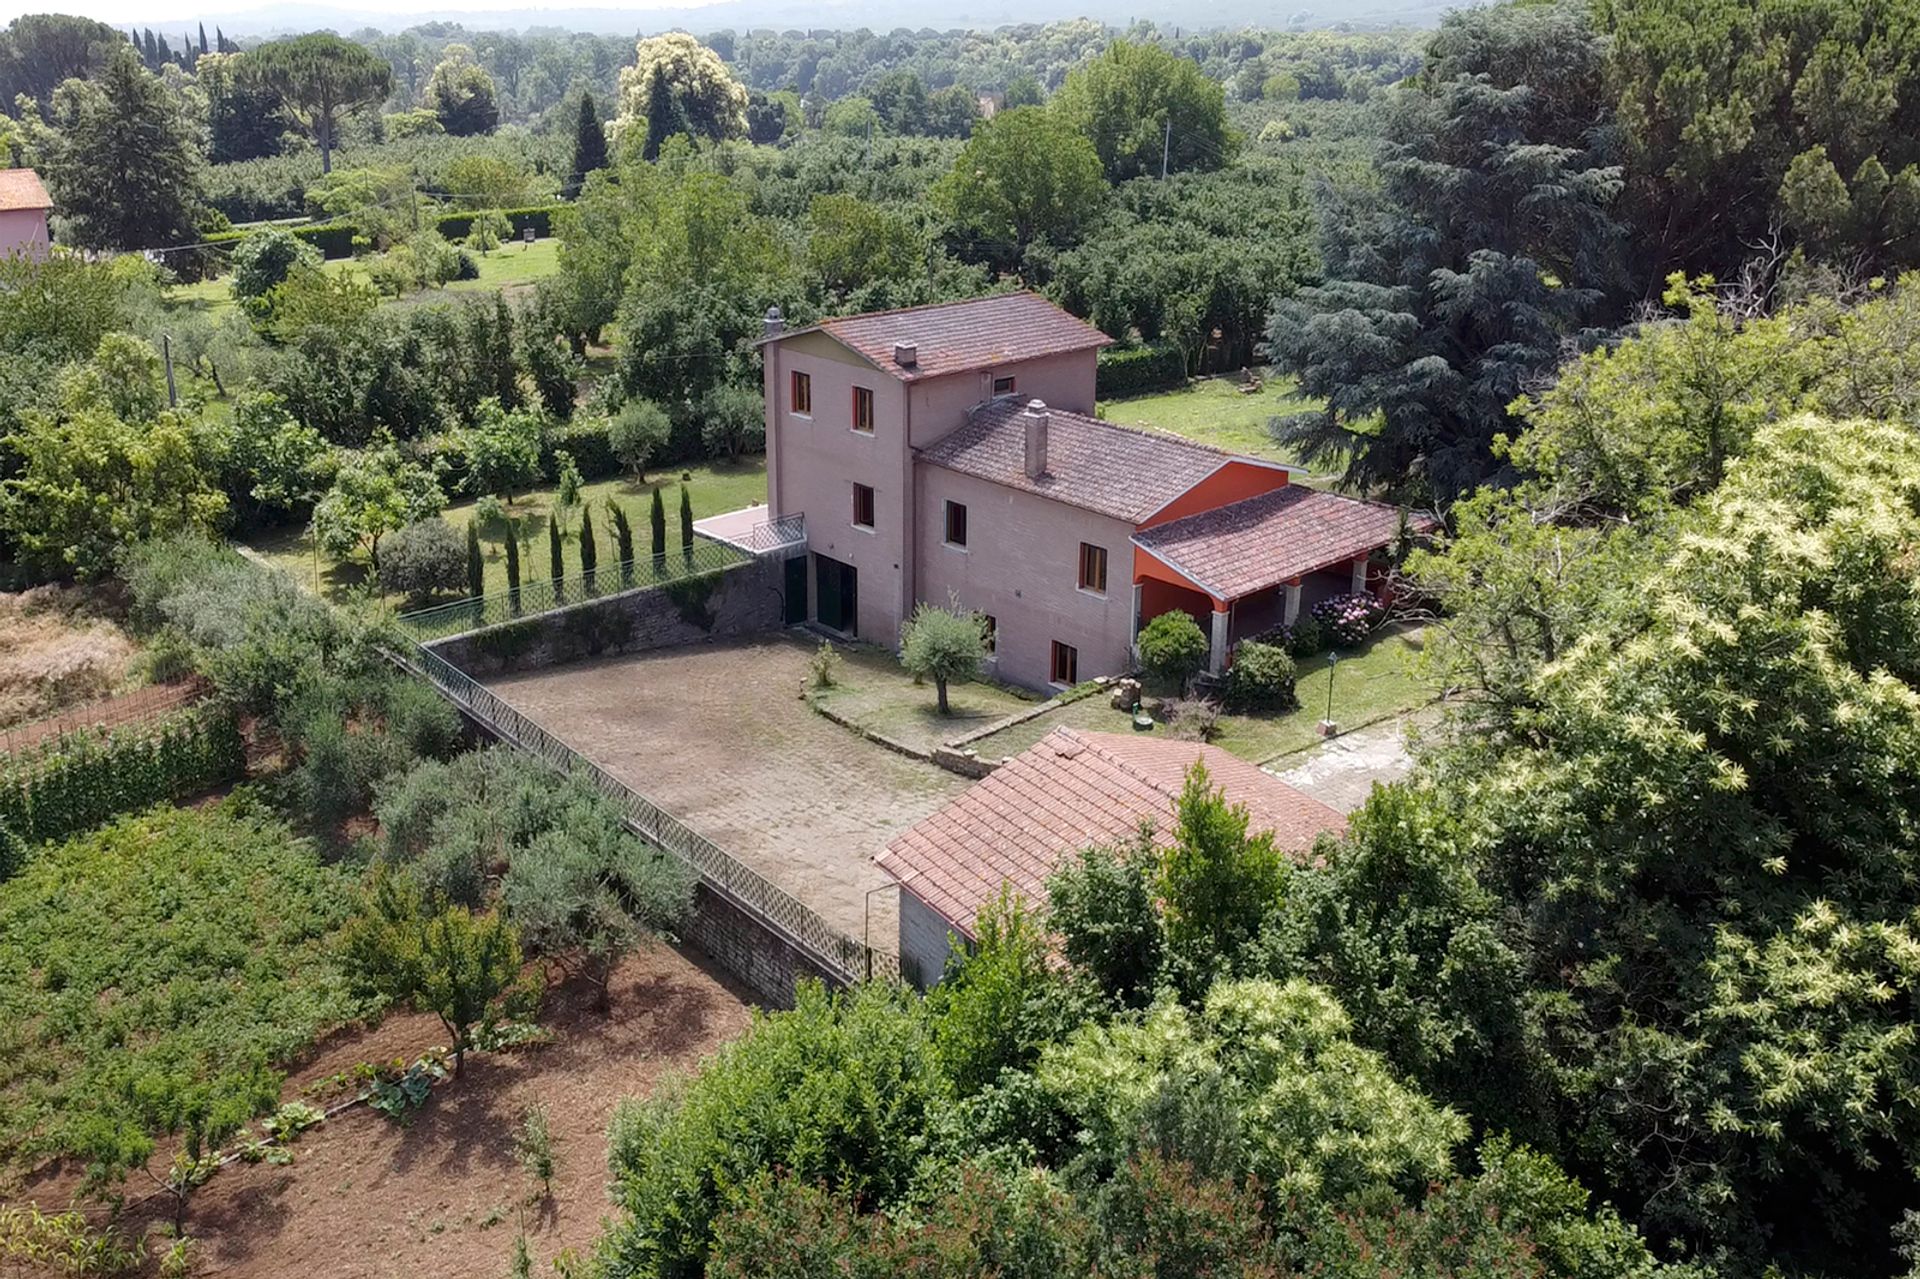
1348	618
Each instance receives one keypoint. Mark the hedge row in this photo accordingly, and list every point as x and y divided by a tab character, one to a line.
78	781
1135	370
454	226
584	438
333	239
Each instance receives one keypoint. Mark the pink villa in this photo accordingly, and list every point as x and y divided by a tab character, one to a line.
950	452
23	214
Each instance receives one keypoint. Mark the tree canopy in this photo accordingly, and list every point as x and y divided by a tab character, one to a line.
321	78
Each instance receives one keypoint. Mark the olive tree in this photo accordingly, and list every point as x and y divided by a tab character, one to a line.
945	645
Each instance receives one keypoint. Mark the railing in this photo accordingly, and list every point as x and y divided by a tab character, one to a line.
774	535
540	596
720	871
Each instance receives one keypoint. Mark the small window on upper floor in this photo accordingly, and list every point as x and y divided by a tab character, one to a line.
862	506
956	524
800	395
863	409
1093	567
1003	386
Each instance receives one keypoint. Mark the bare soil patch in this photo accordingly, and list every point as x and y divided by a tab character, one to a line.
719	736
366	1198
60	646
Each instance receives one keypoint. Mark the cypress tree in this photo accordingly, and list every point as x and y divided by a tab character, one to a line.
476	563
589	553
659	531
556	555
589	148
513	566
623	539
686	524
203	38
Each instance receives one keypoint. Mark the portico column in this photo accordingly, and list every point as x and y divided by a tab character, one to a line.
1217	658
1360	576
1292	613
1133	628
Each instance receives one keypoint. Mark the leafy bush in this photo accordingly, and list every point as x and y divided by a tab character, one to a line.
1261	678
841	1092
1349	619
178	948
589	441
457	226
1173	647
1103	910
1194	719
266	258
823	668
1138	369
1305	638
638	434
425	557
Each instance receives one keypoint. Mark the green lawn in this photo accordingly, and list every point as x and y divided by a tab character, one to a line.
713	487
1374	682
873	692
510	266
1216	411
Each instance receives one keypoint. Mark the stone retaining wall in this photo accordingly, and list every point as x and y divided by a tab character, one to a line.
743	599
752	953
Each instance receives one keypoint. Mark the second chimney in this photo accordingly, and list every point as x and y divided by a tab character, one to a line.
1036	419
906	354
775	323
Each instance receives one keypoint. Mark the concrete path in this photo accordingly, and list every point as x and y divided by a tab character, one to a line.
1341	773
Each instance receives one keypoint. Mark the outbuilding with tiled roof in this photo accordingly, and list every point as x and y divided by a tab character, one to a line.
24	205
1073	790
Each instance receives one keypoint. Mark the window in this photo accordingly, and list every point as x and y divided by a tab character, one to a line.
862	409
989	633
1093	567
862	506
1003	386
956	524
800	396
1066	663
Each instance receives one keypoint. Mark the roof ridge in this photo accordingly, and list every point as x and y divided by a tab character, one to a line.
1144	432
1128	766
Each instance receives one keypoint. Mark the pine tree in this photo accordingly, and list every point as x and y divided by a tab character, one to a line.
476	563
556	555
686	525
589	553
659	531
589	148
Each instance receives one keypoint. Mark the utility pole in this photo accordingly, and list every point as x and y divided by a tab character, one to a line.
166	353
1166	145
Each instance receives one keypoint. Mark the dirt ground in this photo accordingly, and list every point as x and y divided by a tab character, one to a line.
718	735
59	647
368	1199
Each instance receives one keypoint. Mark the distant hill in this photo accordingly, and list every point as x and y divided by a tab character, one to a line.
784	15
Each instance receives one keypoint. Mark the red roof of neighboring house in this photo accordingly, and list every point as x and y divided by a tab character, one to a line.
1256	544
956	337
1077	790
21	189
1124	472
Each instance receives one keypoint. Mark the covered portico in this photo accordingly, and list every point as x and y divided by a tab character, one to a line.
1242	570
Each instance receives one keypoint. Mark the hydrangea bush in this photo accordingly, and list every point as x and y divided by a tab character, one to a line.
1348	618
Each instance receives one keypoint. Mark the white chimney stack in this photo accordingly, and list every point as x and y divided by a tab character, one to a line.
1036	419
906	354
776	323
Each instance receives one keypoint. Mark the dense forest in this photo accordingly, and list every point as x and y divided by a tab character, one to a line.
1622	982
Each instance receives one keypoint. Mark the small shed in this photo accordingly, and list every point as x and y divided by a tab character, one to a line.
24	206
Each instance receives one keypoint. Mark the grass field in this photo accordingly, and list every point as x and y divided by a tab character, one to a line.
1217	411
713	488
874	692
1372	682
512	266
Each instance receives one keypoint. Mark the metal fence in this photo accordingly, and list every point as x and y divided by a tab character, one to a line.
440	621
774	535
102	717
775	908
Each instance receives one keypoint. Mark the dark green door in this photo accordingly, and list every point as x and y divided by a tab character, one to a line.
796	590
834	588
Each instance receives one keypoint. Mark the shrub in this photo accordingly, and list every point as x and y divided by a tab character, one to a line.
1349	619
488	228
1173	647
1305	638
266	258
423	558
1194	719
589	441
1139	369
638	434
1103	910
1261	678
823	668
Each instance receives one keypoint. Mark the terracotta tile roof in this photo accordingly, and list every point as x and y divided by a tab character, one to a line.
1256	544
21	189
1121	471
955	337
1075	790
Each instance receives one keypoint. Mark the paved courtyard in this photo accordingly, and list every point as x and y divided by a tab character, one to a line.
718	735
1342	772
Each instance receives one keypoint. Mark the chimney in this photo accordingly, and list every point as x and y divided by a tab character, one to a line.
906	354
1036	419
776	323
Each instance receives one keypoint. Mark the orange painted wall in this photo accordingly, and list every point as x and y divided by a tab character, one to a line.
1234	482
1155	576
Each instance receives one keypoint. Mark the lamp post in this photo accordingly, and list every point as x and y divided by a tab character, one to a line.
1327	727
